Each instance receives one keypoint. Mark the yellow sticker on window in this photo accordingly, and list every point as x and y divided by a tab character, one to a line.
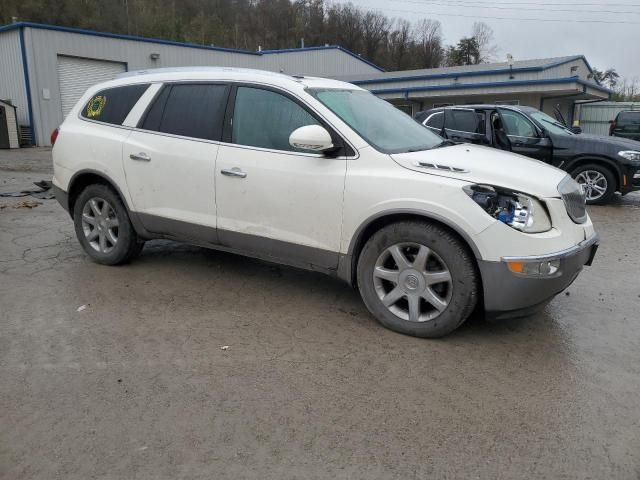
96	105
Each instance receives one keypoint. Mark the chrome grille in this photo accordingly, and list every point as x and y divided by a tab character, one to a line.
574	199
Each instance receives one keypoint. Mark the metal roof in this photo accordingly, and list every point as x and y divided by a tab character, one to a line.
535	65
20	25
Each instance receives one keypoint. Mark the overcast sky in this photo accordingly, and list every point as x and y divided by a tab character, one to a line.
579	28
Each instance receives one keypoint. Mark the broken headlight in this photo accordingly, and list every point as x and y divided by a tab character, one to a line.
519	211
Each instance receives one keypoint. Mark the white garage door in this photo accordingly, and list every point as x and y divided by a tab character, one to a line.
75	75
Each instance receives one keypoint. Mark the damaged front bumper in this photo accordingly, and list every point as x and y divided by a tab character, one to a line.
512	288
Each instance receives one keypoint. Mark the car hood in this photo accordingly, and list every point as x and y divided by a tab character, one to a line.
618	142
595	144
487	166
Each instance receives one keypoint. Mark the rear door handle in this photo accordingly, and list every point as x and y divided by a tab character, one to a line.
233	172
142	157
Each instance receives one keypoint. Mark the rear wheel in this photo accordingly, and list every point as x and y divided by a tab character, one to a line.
103	227
417	278
598	182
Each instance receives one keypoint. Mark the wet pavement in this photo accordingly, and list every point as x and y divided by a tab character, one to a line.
136	384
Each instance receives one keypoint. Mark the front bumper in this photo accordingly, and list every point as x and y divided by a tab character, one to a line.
508	294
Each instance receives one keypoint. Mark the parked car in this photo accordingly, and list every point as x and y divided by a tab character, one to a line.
626	125
604	165
322	175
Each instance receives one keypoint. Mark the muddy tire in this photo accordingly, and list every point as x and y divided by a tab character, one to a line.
103	227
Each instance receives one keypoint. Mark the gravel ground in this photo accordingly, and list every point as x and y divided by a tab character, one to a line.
136	384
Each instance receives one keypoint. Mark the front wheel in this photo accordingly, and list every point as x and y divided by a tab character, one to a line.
103	227
598	182
417	278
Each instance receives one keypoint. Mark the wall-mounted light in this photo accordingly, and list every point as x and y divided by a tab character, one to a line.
574	69
510	63
154	56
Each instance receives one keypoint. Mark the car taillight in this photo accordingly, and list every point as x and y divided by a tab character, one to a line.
54	136
612	127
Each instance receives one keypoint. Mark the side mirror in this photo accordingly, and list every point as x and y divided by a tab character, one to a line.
311	137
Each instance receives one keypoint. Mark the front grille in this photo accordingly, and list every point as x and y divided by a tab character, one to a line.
574	199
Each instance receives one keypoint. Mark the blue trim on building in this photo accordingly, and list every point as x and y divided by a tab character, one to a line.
118	36
455	86
27	85
436	76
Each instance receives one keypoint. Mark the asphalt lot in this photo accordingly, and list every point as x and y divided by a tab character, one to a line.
136	385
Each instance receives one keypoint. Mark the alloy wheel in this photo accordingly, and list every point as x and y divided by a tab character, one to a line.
594	184
100	225
413	282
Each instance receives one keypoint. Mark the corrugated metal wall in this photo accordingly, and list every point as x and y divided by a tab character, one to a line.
594	117
12	85
44	46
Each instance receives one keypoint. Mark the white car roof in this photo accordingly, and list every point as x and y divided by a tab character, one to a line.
288	82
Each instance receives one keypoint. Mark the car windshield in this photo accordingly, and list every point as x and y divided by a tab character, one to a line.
378	122
549	123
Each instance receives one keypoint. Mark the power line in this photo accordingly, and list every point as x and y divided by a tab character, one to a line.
466	4
523	19
580	4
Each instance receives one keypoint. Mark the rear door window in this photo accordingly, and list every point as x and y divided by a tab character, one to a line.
468	121
113	104
189	110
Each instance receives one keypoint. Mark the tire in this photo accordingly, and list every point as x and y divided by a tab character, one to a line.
376	272
600	177
103	227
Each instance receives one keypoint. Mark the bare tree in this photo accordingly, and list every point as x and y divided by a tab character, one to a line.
375	27
399	46
483	34
428	37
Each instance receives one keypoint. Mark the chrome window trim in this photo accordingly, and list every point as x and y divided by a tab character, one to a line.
216	142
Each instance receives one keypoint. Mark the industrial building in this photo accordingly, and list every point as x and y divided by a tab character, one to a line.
44	69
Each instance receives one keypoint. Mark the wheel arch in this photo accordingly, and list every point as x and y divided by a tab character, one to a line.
83	179
602	161
381	220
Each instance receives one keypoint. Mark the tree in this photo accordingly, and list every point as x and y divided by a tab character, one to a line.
399	46
483	35
428	38
466	52
375	28
609	77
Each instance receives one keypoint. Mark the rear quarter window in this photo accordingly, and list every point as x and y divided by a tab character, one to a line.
113	104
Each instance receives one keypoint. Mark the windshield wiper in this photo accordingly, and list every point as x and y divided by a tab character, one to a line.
445	143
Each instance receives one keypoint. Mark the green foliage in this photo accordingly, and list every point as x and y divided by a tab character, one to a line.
269	24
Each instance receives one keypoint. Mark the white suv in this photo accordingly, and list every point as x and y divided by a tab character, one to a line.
322	175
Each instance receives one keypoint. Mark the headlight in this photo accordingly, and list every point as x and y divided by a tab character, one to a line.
632	155
517	210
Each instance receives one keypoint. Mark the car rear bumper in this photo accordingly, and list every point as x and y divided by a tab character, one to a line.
509	295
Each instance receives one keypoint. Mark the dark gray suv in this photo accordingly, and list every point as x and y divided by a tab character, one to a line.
626	125
604	165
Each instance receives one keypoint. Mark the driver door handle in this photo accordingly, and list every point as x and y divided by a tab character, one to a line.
142	157
233	172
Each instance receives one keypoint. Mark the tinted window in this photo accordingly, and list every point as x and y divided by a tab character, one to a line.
190	110
516	124
628	118
266	119
436	121
114	104
467	121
